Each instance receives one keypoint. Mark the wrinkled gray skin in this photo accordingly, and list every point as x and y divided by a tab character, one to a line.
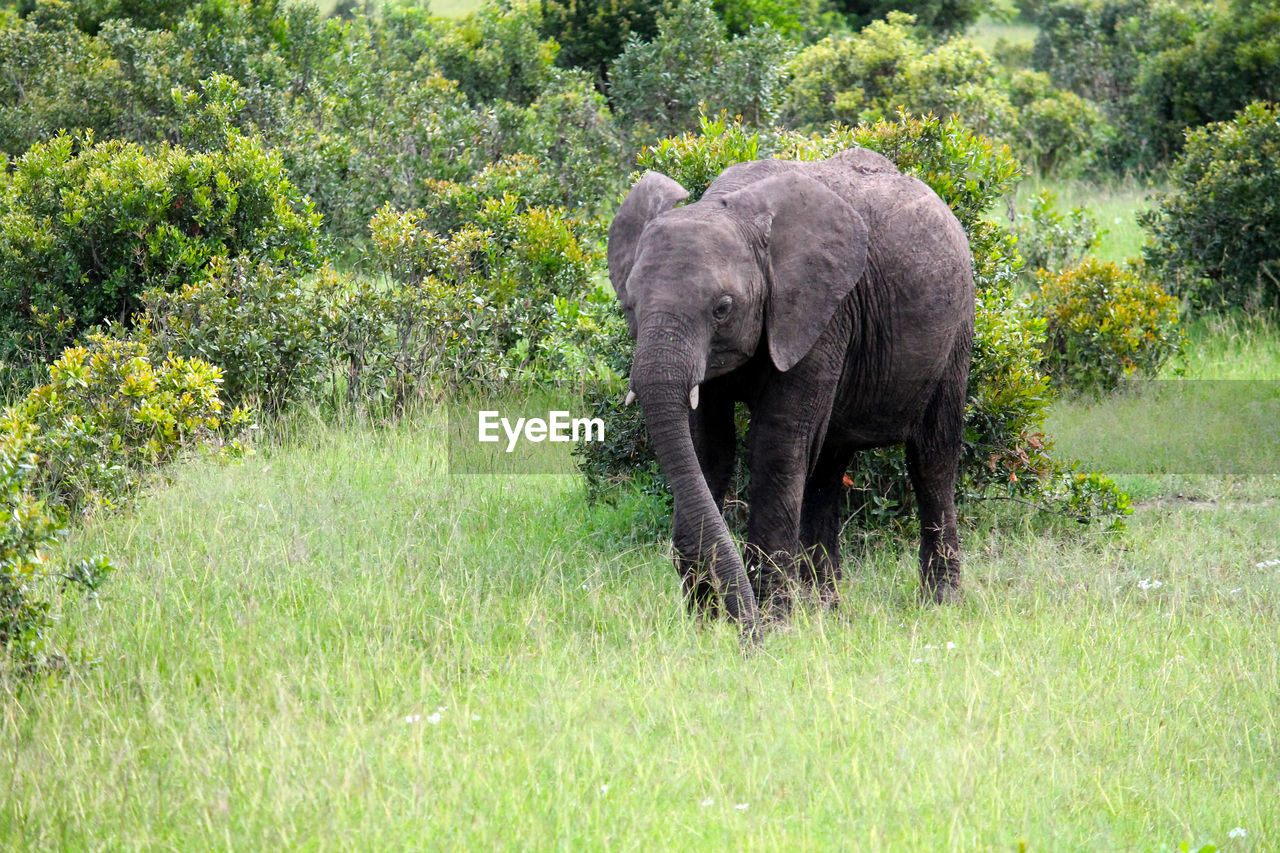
835	299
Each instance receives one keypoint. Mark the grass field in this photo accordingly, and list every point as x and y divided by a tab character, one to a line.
338	645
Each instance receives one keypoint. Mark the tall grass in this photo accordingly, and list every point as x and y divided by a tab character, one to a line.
340	645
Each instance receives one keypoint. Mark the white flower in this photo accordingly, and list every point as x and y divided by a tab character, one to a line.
917	660
434	719
1266	564
1238	832
413	718
708	802
742	807
475	718
951	645
1149	583
604	789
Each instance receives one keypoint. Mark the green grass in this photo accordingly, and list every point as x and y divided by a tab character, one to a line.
1114	205
987	33
281	634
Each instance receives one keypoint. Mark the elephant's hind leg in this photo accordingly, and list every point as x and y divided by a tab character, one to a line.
933	462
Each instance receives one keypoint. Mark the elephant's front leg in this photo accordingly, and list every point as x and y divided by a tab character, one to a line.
715	441
779	464
820	523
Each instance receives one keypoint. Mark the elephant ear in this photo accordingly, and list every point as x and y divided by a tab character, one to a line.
816	251
653	194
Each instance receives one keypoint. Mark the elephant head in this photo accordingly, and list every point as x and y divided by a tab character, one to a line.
768	255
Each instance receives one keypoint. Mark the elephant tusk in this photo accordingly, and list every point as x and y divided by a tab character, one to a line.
693	397
631	398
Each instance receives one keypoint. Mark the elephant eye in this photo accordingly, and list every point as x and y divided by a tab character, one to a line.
723	307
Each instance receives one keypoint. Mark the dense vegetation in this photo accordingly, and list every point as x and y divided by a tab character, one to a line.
247	205
285	236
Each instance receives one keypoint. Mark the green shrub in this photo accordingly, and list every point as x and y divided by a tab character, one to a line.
257	323
939	16
1215	236
1158	67
499	292
1006	451
1056	131
660	87
496	54
108	417
1049	240
699	158
28	529
850	79
86	227
1105	324
887	66
26	532
592	35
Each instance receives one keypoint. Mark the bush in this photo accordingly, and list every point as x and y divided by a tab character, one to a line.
1006	451
497	291
27	572
887	66
1104	324
257	323
1056	131
660	87
108	417
1160	67
496	54
1049	240
87	227
939	16
1215	236
592	35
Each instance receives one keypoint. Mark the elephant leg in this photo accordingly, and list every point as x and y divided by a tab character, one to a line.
820	523
715	442
933	463
774	553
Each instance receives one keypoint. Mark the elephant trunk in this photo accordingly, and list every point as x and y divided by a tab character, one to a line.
665	376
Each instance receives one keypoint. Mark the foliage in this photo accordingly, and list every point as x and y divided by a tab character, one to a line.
1056	131
87	226
362	110
108	417
868	77
26	532
660	87
1214	235
591	35
28	529
699	158
499	291
1049	240
1104	324
939	16
497	54
256	322
1158	67
1006	451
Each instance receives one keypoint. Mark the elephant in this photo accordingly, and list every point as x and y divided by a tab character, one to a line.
835	299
